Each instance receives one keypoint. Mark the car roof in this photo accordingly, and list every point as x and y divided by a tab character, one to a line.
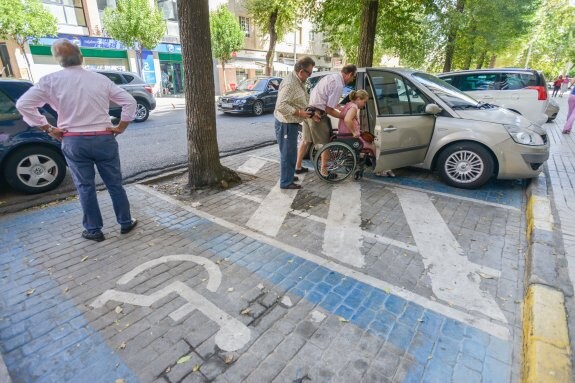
490	70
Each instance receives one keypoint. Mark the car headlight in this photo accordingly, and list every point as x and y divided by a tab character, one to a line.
524	136
240	102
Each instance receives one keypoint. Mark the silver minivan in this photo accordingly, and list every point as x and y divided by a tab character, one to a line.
420	120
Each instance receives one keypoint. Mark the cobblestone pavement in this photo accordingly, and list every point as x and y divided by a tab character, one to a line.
407	282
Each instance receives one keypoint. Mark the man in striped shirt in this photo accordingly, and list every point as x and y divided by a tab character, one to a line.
289	113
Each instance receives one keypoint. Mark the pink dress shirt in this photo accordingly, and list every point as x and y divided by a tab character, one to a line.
327	92
81	98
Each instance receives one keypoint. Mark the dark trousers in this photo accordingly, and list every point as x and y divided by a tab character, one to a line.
286	135
84	154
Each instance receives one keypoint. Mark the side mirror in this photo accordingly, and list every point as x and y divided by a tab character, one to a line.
432	109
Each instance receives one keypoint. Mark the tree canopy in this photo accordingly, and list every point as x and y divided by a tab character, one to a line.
26	20
226	35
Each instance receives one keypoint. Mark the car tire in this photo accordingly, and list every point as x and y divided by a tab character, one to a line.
46	164
142	111
258	108
465	165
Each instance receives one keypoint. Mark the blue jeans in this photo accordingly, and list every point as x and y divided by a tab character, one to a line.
82	154
286	135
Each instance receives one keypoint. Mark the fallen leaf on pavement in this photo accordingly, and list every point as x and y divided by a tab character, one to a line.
245	311
485	276
84	259
118	310
196	368
123	346
30	292
260	286
343	320
230	289
184	359
229	358
120	381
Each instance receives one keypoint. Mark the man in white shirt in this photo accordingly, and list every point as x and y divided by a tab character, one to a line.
82	100
324	98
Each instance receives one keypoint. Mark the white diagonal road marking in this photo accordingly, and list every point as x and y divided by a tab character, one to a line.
454	278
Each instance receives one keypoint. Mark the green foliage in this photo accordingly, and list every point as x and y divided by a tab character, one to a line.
26	20
226	34
135	23
288	13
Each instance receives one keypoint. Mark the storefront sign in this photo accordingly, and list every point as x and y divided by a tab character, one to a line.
84	41
148	70
169	48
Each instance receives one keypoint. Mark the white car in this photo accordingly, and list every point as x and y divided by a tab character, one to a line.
523	91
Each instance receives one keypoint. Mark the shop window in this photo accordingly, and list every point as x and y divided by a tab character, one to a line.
169	8
5	66
68	12
245	25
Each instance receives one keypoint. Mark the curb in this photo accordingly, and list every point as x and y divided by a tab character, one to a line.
546	347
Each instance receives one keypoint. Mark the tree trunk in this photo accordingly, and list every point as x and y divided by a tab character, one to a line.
492	61
468	59
273	39
481	59
204	167
21	45
451	37
367	33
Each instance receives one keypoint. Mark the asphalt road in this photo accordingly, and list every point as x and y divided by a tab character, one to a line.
156	146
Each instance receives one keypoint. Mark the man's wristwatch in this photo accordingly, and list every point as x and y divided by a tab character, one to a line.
49	130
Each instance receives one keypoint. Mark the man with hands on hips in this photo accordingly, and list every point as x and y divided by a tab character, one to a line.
82	98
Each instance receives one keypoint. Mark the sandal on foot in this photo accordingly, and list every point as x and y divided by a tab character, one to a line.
302	170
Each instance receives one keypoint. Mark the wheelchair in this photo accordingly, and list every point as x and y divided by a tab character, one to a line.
347	157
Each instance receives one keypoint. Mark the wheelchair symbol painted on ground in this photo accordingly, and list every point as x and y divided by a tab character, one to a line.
232	335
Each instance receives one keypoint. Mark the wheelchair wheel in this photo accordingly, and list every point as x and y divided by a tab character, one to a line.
341	163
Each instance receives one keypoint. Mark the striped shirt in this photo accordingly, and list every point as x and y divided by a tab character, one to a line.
292	96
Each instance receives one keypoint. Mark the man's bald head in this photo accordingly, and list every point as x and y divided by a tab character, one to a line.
66	53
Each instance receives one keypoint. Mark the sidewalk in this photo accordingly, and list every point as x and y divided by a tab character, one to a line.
359	282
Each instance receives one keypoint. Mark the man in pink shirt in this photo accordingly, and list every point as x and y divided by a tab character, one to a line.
324	98
82	100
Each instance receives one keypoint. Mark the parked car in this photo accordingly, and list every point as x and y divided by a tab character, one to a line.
552	110
142	92
252	96
421	120
30	160
523	91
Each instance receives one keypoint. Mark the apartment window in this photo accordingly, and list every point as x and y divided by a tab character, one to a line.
245	25
311	35
68	12
170	9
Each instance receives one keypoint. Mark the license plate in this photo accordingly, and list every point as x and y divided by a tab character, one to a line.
227	105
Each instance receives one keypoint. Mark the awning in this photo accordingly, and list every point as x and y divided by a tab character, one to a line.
241	64
281	67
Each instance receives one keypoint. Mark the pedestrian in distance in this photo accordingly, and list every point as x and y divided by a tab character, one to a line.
557	85
82	100
289	113
564	84
571	111
324	99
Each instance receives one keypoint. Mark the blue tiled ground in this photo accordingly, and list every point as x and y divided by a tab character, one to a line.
505	192
43	336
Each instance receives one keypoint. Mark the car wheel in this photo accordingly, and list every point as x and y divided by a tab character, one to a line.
35	169
258	108
465	165
142	111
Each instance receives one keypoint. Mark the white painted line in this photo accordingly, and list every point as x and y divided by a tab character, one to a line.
454	278
478	321
270	215
315	218
387	183
252	166
343	238
265	159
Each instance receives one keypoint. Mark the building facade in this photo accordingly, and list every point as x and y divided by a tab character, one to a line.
81	21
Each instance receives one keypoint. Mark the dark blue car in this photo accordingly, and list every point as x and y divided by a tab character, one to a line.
252	96
30	160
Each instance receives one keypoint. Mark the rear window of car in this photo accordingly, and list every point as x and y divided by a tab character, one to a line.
115	77
128	78
493	81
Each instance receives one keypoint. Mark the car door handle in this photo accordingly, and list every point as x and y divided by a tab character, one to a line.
390	128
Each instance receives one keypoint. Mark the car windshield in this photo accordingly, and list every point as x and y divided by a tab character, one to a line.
253	84
446	92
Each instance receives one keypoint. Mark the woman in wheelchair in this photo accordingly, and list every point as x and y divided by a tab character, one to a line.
350	150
